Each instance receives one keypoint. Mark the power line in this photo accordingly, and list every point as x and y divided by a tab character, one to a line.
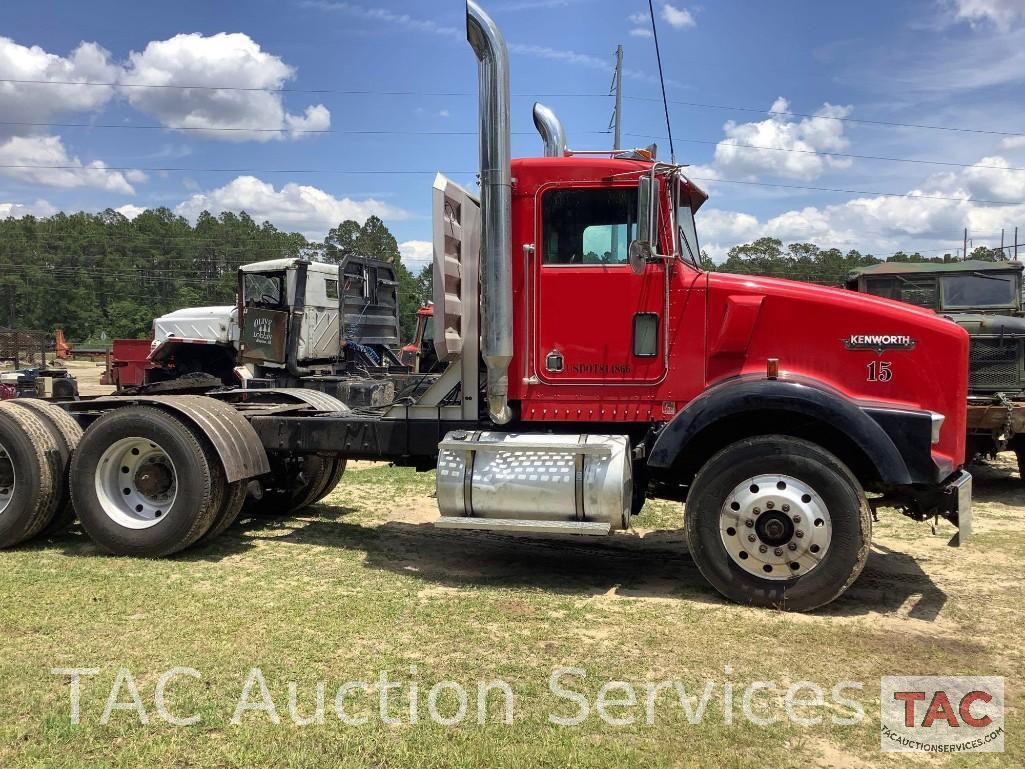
821	153
790	113
267	89
869	193
405	171
398	132
255	129
378	92
661	80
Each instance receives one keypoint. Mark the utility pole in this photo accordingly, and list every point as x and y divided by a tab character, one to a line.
964	254
1003	255
1016	244
617	115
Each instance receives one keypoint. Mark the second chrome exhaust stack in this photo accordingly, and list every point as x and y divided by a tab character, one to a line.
551	130
496	206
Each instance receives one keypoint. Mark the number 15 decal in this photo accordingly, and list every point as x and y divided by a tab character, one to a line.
879	371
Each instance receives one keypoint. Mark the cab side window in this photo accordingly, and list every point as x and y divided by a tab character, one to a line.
588	226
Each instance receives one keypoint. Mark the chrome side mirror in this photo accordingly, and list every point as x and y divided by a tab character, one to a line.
641	249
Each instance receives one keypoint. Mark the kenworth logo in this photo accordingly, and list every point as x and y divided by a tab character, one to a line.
879	342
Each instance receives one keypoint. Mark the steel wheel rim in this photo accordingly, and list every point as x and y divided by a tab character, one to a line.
136	483
776	527
8	479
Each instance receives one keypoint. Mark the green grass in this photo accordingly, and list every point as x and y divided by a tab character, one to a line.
363	584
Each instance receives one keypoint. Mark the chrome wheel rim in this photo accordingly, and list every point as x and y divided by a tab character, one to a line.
775	527
136	483
7	479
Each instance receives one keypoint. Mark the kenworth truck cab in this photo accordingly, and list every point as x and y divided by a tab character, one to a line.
588	363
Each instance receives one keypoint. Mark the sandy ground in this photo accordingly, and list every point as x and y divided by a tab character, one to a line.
88	375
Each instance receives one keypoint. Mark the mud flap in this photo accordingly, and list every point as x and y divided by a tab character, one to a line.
959	490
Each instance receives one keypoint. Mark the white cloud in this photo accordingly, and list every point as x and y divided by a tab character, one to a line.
1012	143
34	103
1001	13
416	254
44	160
230	59
931	216
299	207
129	211
41	208
795	143
677	18
640	32
989	179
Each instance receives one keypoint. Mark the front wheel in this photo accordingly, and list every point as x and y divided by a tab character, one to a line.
779	522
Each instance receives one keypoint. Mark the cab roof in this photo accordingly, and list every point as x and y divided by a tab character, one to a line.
531	173
276	265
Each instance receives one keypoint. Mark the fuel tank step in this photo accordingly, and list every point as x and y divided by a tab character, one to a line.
515	526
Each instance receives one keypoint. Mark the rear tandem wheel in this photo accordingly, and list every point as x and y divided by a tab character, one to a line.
146	483
30	475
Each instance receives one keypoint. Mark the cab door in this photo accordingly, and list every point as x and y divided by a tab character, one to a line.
595	320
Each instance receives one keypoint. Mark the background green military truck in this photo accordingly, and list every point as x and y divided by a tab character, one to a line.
985	299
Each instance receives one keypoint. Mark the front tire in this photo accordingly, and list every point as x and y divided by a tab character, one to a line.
778	522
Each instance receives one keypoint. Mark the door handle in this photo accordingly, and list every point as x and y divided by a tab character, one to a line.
554	362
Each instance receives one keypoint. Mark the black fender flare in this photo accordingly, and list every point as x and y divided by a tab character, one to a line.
740	395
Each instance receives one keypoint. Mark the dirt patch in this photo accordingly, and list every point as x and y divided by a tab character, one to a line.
829	756
88	374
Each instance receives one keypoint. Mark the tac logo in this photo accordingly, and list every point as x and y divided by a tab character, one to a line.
942	714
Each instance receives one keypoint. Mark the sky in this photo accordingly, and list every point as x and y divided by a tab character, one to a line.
880	126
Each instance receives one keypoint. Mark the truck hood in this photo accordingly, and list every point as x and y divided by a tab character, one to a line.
871	349
209	324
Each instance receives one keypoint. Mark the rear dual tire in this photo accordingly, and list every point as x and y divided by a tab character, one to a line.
146	484
31	475
67	435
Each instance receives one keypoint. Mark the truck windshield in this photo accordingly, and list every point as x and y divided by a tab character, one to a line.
689	250
979	290
264	289
686	231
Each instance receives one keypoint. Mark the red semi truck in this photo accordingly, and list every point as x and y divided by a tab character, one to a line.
587	362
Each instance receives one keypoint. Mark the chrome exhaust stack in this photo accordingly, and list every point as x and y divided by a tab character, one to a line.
496	206
551	130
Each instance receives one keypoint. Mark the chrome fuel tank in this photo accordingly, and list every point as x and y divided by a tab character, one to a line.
536	477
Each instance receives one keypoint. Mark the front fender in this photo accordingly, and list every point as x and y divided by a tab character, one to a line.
897	442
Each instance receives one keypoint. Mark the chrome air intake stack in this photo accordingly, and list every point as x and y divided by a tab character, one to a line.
496	207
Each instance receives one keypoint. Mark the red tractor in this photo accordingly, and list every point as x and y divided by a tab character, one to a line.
586	363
